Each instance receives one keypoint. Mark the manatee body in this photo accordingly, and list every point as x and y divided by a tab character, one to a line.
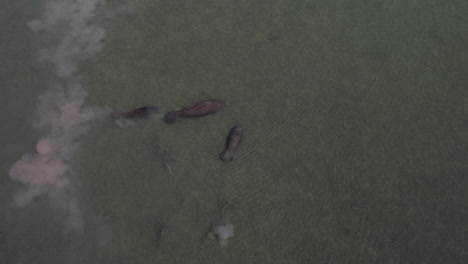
139	113
201	108
233	142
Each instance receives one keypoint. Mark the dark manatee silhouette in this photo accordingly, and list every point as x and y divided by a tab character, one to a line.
138	113
233	142
198	109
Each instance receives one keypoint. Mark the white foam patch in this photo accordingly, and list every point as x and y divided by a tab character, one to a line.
61	114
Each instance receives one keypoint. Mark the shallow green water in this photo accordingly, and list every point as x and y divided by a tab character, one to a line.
355	139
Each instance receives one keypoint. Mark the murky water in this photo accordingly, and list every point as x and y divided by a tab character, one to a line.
354	145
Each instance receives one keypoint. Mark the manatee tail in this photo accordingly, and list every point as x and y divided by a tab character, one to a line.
171	117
